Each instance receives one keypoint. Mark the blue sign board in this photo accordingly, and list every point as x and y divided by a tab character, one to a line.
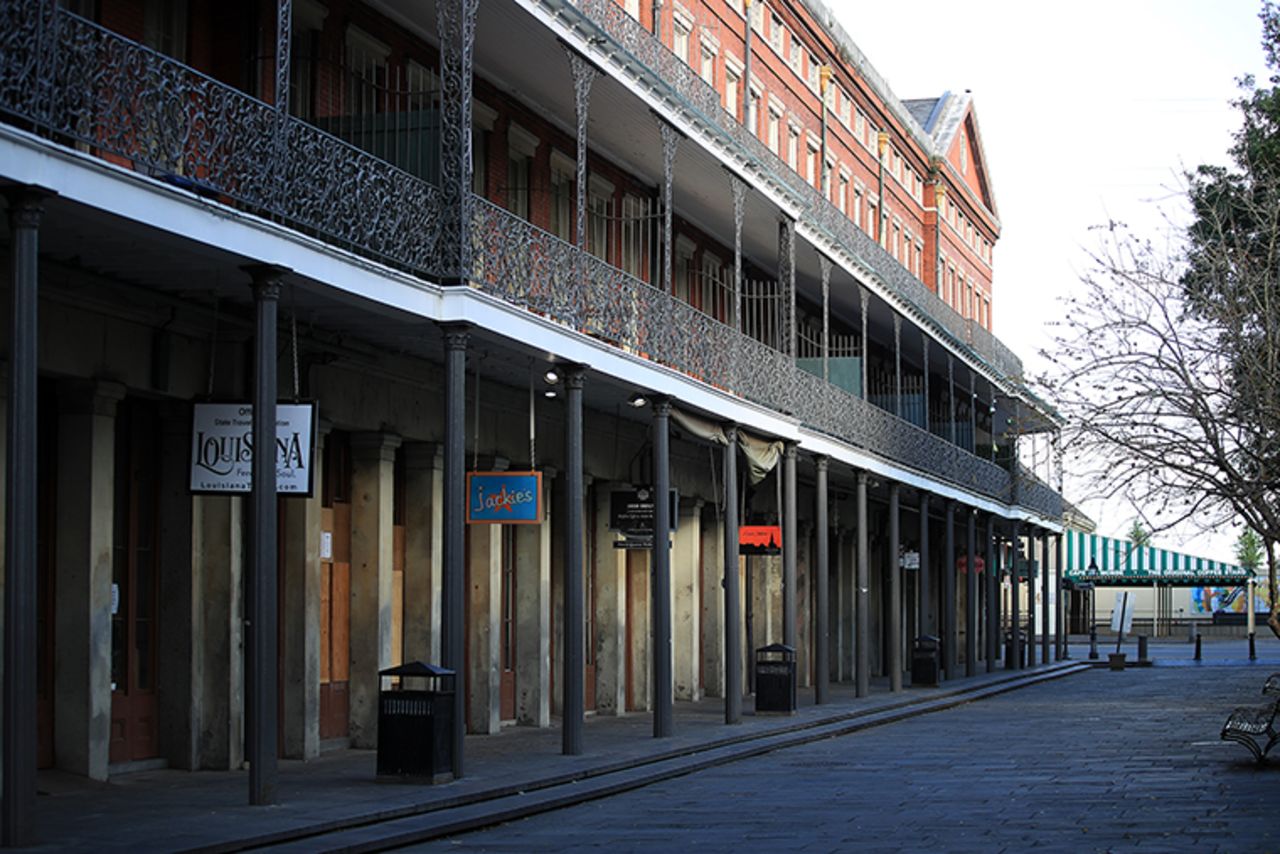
504	498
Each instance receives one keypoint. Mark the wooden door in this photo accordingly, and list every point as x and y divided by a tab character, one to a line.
134	730
335	588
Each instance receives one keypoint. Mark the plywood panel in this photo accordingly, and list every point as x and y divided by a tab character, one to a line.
340	608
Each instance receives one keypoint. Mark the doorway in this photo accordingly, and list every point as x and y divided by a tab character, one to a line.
134	729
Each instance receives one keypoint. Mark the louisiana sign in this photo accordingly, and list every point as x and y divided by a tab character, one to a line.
504	498
222	448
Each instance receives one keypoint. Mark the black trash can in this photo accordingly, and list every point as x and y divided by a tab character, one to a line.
776	678
415	725
925	655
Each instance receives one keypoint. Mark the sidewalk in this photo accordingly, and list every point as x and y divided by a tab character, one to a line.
176	810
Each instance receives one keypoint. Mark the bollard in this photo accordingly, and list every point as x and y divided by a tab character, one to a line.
1142	647
1253	650
1093	644
1197	646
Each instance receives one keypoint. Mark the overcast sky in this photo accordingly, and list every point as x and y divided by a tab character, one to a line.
1089	112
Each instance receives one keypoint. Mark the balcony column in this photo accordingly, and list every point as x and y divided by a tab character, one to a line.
993	595
950	632
973	412
790	544
19	733
739	188
924	356
261	660
824	263
732	596
822	635
895	588
670	142
1046	635
456	25
991	408
897	364
584	74
574	587
951	399
787	281
660	584
864	296
862	604
971	593
453	527
1013	660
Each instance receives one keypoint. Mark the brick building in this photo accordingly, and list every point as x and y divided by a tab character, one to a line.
621	245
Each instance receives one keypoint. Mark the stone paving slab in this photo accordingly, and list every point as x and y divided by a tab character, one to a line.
1101	761
173	810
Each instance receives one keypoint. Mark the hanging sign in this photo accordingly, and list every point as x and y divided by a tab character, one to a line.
631	511
222	448
760	540
504	498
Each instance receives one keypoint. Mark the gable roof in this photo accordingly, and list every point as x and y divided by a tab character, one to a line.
953	116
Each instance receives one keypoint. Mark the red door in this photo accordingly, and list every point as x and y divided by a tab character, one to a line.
134	730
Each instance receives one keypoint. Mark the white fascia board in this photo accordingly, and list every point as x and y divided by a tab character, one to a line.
103	186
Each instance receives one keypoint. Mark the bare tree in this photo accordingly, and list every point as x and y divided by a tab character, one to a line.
1172	392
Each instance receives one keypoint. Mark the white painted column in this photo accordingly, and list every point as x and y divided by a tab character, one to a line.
533	618
711	618
217	562
611	611
300	596
424	516
484	633
85	527
372	475
686	574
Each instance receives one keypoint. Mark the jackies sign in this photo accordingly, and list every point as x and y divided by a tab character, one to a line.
222	448
504	498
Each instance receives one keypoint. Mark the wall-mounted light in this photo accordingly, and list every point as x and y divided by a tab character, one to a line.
637	401
549	393
552	376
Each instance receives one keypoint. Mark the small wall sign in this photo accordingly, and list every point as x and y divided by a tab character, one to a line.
760	540
504	498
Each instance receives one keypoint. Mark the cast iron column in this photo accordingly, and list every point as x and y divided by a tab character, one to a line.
864	298
1046	636
261	659
660	584
456	25
789	545
1059	612
821	641
897	364
732	596
924	582
453	642
971	596
574	651
1014	661
993	596
862	605
950	631
895	589
20	642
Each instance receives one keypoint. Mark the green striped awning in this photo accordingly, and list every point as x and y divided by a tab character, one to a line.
1120	562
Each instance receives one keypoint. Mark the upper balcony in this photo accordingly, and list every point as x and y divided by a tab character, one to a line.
82	86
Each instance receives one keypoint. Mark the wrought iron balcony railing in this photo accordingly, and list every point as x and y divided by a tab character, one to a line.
84	86
652	58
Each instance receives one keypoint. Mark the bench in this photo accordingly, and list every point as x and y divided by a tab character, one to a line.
1251	725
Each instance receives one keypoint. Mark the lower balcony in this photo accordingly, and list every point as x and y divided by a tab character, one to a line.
84	87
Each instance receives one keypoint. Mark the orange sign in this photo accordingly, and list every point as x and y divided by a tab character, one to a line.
760	540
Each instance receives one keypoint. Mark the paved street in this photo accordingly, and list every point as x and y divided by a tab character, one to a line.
1098	761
